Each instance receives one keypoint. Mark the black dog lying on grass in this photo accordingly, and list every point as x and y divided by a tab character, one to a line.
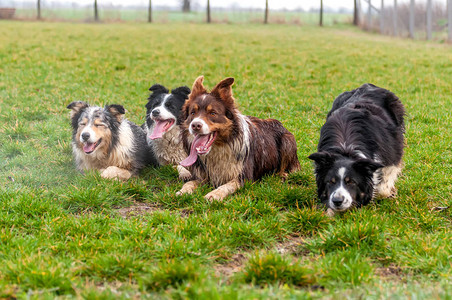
360	148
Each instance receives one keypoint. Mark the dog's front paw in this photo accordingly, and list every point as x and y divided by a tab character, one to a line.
184	174
284	176
330	213
393	193
184	191
113	172
215	195
188	188
110	172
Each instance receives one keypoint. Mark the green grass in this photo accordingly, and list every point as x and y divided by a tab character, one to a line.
65	234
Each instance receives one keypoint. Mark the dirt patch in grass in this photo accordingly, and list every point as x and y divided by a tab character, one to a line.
232	266
291	246
236	262
185	213
390	272
138	209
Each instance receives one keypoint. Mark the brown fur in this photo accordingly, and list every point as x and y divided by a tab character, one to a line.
246	148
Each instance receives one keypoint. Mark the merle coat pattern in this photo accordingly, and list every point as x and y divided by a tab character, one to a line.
102	139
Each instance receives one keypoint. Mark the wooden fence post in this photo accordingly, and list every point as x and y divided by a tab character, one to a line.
429	19
208	11
412	19
321	13
355	13
266	12
150	12
96	12
39	9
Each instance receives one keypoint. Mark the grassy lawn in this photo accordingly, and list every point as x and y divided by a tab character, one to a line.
64	234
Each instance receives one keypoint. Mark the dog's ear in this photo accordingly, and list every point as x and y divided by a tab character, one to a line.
323	158
366	166
197	89
184	112
116	111
223	90
182	91
76	107
158	89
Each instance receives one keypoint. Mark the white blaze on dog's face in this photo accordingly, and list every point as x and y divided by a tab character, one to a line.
198	126
349	183
208	117
95	127
340	197
163	115
161	112
93	131
163	109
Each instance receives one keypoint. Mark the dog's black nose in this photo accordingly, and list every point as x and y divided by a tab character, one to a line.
85	136
337	201
196	126
155	113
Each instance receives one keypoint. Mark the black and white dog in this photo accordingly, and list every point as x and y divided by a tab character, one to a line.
104	140
162	125
360	148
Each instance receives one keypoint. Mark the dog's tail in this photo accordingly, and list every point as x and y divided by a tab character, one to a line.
377	96
386	99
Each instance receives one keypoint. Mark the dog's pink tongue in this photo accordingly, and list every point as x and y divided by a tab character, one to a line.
89	147
198	141
158	131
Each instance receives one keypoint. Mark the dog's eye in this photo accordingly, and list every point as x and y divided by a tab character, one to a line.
333	180
99	125
213	114
82	124
348	181
192	113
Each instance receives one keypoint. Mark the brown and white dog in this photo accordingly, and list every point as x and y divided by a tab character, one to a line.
102	139
227	148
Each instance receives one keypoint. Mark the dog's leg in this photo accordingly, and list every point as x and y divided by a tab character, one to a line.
113	172
222	191
188	187
184	174
386	187
289	159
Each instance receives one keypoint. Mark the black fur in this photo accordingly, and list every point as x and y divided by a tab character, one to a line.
174	102
363	133
143	153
